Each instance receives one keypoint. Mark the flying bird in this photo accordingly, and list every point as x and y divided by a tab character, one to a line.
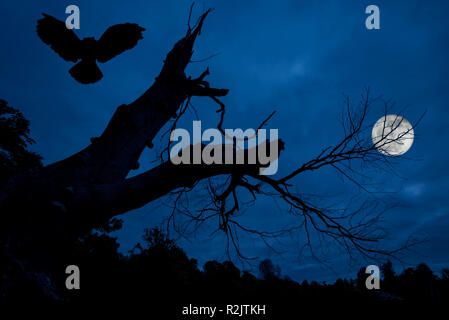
65	42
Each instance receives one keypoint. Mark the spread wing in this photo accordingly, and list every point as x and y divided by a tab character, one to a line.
63	41
117	39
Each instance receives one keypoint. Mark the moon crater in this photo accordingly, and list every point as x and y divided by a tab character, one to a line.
393	135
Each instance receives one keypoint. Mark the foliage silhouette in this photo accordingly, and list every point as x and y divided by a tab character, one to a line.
160	274
14	142
268	270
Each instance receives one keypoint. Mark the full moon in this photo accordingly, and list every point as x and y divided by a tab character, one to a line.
392	135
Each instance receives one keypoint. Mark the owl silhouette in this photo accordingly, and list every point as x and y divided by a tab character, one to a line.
114	41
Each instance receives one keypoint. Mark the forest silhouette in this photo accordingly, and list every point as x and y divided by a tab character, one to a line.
158	274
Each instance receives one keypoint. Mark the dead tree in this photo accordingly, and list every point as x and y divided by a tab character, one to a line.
44	209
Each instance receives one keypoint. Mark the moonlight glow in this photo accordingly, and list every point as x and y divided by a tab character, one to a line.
393	135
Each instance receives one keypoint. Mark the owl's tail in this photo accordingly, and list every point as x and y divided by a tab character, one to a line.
86	71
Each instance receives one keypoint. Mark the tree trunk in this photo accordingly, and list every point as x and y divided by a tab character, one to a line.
44	210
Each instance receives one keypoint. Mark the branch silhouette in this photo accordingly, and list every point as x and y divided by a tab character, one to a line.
45	208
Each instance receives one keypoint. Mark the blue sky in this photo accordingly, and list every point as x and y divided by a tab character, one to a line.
297	57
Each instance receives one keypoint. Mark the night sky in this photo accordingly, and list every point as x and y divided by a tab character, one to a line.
296	57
